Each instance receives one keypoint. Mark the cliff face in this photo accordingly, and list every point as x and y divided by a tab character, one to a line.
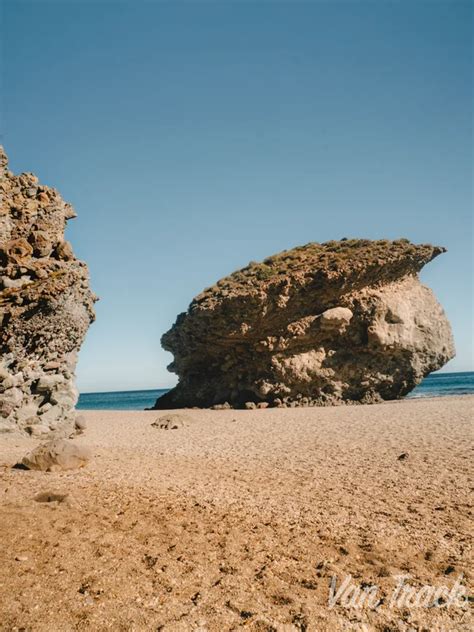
341	322
46	307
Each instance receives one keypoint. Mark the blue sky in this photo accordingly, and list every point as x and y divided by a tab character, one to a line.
193	137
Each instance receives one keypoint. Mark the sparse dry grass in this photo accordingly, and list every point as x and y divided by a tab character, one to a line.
341	257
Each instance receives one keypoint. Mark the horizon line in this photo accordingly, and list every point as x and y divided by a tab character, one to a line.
434	374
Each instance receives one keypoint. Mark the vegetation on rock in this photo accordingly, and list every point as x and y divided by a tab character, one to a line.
340	322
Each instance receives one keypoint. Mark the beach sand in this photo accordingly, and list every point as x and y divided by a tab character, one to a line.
241	519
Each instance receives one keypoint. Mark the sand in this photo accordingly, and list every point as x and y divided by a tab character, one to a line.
241	520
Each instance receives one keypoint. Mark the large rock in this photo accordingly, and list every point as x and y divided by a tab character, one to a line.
341	322
46	306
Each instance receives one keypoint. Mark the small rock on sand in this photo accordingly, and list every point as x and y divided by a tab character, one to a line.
80	423
58	454
170	422
51	497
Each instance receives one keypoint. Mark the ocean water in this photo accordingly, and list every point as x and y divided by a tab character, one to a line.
435	385
439	384
119	400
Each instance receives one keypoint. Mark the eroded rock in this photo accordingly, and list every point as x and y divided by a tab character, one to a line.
55	455
170	422
46	306
341	322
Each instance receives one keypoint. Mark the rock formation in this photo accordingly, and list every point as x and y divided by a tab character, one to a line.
46	307
341	322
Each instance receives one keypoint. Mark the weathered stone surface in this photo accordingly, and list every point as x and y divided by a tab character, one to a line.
80	423
6	426
46	305
170	422
342	322
58	454
37	430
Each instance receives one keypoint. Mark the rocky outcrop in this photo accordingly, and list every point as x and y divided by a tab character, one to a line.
46	307
341	322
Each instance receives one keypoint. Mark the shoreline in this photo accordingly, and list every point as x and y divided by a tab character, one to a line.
434	385
341	405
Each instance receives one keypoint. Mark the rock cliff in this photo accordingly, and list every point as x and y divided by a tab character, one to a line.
341	322
46	307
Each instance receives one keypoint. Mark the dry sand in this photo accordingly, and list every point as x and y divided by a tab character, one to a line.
241	519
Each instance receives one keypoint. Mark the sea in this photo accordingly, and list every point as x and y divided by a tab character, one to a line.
435	385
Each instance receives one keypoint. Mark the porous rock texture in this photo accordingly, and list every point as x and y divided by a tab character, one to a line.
46	307
341	322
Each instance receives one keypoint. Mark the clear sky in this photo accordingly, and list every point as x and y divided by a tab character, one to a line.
192	137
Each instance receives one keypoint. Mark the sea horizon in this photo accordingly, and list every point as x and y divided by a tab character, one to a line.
434	385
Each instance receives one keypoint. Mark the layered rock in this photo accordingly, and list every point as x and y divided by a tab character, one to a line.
46	307
341	322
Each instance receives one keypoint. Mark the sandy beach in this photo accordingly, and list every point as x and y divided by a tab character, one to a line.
241	520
